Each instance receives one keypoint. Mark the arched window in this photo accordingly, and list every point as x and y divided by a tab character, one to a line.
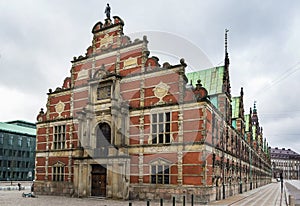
103	139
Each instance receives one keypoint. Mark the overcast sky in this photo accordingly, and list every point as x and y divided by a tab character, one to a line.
38	39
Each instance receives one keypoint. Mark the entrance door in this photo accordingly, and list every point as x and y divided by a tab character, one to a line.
98	181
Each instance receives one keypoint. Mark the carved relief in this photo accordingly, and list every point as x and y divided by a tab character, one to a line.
130	62
160	91
160	149
106	41
83	74
59	108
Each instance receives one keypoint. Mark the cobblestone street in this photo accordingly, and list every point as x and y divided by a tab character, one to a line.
266	195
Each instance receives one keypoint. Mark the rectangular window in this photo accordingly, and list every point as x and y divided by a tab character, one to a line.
28	142
161	128
58	173
59	137
160	174
20	141
1	139
10	140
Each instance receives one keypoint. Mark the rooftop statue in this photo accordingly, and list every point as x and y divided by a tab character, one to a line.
107	11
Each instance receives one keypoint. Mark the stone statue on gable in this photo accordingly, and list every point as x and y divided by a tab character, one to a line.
107	11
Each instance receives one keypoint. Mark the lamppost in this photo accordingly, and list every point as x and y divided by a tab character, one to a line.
250	162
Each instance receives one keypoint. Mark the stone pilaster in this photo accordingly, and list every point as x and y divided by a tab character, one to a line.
46	166
179	165
141	163
141	127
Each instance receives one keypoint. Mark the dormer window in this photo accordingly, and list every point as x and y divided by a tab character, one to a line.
103	91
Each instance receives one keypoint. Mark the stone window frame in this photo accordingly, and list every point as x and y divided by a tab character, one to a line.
58	172
161	123
59	137
160	171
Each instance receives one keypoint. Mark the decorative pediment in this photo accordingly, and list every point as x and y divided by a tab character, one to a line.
58	164
160	161
101	73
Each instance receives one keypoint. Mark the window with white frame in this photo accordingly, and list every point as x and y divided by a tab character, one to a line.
58	172
160	174
161	127
59	137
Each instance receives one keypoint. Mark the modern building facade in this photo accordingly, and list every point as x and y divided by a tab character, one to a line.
124	126
285	162
17	150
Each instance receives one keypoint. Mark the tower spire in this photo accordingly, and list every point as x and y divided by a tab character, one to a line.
226	52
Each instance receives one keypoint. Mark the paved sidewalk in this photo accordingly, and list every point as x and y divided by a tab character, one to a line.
292	189
268	195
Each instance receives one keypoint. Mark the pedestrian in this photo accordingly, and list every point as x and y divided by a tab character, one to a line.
32	188
19	185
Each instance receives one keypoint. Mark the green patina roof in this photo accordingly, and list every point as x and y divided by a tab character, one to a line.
13	128
211	79
235	103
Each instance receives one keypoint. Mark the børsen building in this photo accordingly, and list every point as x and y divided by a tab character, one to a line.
124	126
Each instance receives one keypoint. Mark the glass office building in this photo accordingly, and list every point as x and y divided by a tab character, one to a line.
17	150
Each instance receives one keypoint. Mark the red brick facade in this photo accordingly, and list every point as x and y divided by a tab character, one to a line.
123	126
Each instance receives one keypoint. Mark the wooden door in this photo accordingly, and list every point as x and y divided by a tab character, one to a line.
98	181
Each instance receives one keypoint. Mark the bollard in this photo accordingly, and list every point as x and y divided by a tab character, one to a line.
148	202
183	202
130	204
192	200
291	200
173	201
161	202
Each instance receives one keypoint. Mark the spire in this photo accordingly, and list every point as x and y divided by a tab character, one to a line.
226	82
226	52
242	92
255	116
254	108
